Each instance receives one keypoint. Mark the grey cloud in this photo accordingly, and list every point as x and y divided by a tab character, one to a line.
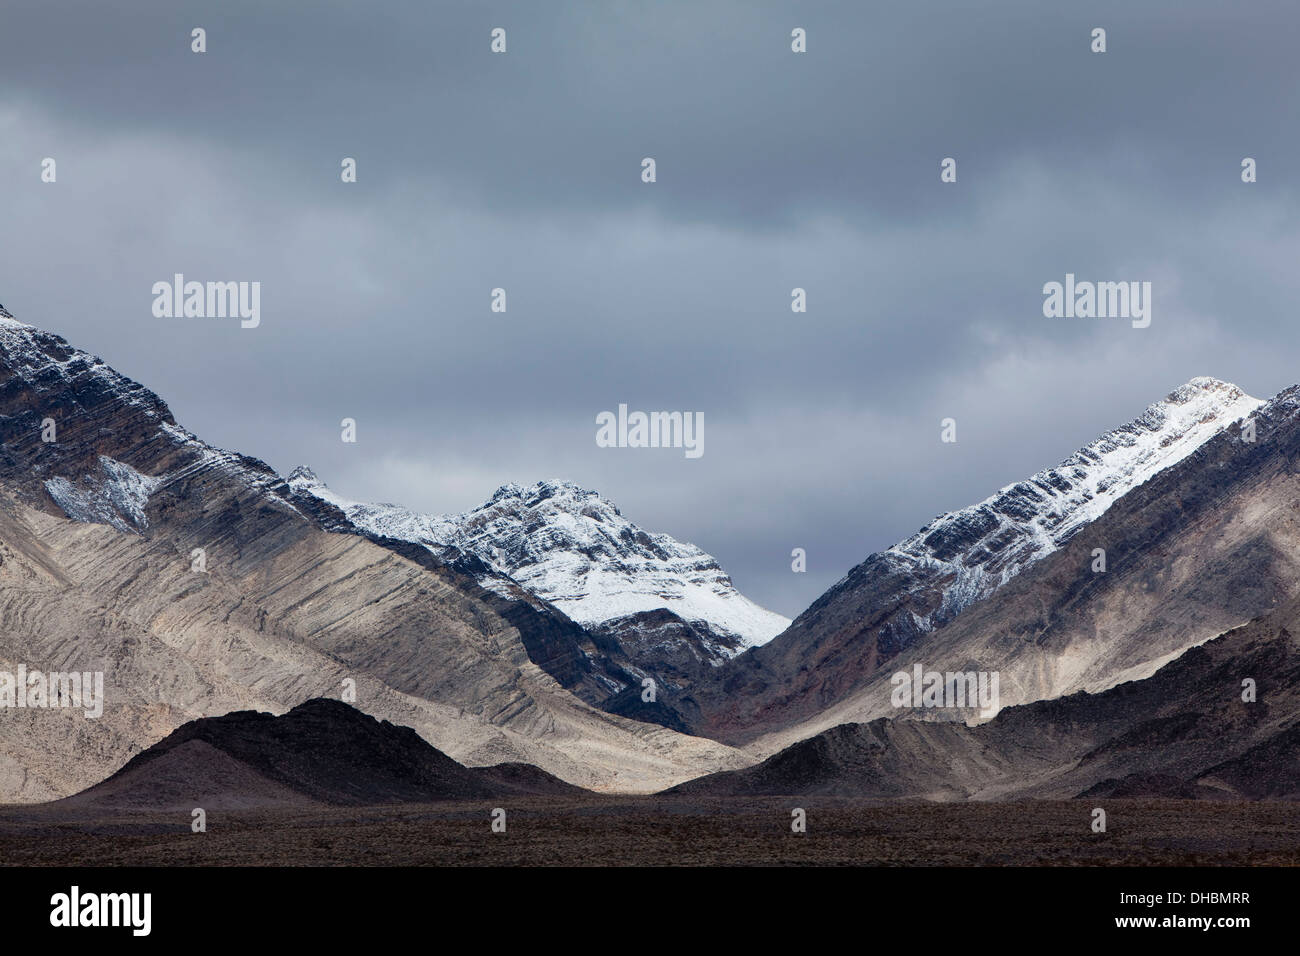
775	171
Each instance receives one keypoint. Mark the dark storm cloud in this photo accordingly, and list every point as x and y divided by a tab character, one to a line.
774	171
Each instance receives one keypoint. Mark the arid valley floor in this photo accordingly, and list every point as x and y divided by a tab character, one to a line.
659	831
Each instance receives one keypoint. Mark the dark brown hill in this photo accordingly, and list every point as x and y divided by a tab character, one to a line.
321	752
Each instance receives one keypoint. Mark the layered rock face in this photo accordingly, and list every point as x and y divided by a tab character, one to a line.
197	586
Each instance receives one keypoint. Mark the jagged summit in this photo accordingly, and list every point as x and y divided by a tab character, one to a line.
562	495
566	495
303	477
1201	382
572	547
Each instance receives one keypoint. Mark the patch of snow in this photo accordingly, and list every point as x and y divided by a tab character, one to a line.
117	495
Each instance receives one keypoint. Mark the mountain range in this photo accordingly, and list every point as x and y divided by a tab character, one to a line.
1121	595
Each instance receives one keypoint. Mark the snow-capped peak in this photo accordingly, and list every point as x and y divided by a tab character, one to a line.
988	543
570	546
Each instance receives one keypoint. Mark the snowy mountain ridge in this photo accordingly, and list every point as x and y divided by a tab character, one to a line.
573	548
986	544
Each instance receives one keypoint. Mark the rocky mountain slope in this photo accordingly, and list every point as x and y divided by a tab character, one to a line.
1185	731
321	752
193	581
907	596
1202	547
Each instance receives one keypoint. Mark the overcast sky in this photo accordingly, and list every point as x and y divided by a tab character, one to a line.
522	170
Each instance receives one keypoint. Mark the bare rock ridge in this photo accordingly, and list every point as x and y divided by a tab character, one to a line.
913	594
1185	731
196	584
320	752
